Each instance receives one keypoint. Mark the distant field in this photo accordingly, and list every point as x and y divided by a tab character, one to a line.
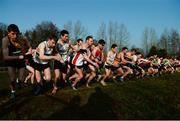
149	98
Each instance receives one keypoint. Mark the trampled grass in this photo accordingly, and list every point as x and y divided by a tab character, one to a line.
148	98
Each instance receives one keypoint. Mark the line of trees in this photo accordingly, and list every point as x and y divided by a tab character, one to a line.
113	32
3	32
169	41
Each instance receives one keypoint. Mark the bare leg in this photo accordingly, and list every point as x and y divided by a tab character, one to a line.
92	75
75	75
12	76
129	71
107	74
31	74
80	76
28	77
57	74
47	74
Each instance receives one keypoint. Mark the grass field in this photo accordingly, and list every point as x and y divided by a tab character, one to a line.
149	98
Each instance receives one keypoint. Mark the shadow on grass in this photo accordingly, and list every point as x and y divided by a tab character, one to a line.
13	105
99	106
4	92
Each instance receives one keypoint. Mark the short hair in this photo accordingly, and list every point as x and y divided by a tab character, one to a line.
14	28
113	46
88	37
52	37
138	53
63	32
78	40
133	49
124	48
101	41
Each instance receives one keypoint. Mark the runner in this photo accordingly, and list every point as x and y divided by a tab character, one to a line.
124	63
97	56
30	66
14	47
109	63
63	45
79	59
42	57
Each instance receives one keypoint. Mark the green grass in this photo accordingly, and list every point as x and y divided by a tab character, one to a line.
150	98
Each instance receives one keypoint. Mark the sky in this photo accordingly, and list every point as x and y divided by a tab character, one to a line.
135	14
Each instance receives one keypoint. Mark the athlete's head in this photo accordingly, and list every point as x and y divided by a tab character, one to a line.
124	49
133	51
114	48
101	44
64	35
79	41
13	31
89	40
52	41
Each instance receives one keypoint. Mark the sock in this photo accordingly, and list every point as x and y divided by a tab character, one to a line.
13	85
13	91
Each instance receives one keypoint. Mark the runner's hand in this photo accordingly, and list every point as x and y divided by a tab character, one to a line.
62	61
58	58
96	65
21	57
116	65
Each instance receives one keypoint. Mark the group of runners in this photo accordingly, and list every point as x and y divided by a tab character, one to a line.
72	63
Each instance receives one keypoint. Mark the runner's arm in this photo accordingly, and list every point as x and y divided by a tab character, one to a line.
5	50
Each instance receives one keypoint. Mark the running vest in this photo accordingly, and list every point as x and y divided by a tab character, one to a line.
78	58
47	52
98	54
111	59
13	50
63	50
166	62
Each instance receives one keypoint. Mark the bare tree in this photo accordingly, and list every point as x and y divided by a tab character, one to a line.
175	41
69	27
153	37
163	42
145	39
149	39
101	33
79	30
118	33
123	36
110	33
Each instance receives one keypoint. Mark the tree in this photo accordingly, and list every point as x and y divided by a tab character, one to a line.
69	27
163	43
153	51
76	30
41	32
101	33
118	33
123	36
149	39
79	30
110	33
153	37
175	41
145	38
3	33
162	53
